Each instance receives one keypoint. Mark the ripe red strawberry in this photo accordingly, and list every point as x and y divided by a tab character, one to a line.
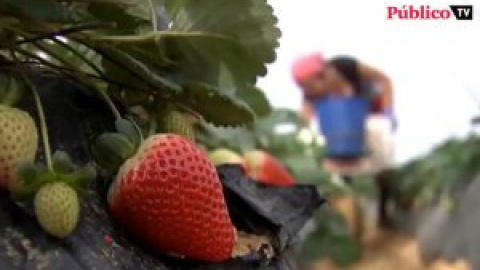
169	195
266	169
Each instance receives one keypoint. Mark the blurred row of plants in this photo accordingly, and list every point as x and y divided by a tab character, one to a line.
439	177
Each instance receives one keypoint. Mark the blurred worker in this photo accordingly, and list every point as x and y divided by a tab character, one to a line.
346	76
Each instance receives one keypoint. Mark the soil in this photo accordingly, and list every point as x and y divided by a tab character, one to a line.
388	249
393	250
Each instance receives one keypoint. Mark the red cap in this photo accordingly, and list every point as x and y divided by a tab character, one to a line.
307	67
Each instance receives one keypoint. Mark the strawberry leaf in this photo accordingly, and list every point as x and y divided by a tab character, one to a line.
33	176
197	45
128	69
256	99
127	128
28	173
80	179
117	12
110	150
216	108
48	10
62	162
194	29
10	89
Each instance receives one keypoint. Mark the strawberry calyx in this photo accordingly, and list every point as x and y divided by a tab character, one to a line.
174	118
34	176
110	150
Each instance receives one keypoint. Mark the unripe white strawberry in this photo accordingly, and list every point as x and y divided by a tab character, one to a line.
57	208
18	143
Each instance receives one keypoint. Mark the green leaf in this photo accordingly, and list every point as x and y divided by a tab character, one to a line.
33	177
147	10
62	162
80	179
199	55
239	139
216	108
127	128
10	89
119	13
8	22
198	43
48	10
122	67
267	125
250	23
110	150
256	99
28	173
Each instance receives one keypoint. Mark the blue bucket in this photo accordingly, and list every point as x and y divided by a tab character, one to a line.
342	121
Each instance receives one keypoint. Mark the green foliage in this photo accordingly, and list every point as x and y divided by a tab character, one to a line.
35	176
331	240
215	107
302	158
10	90
440	175
198	53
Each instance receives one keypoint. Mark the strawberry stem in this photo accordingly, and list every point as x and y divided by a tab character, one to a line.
152	127
43	123
107	99
41	114
154	15
110	104
139	130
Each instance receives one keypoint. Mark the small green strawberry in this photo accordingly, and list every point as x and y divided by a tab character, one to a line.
18	143
57	208
55	192
54	188
177	122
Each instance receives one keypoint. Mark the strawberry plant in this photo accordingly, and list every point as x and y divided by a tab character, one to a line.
161	67
151	53
54	188
187	68
438	177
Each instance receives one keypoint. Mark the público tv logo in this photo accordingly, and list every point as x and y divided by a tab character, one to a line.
425	12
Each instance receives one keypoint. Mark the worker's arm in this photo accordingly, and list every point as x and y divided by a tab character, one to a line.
374	75
307	111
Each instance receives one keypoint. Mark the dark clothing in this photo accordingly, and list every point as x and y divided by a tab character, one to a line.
348	68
